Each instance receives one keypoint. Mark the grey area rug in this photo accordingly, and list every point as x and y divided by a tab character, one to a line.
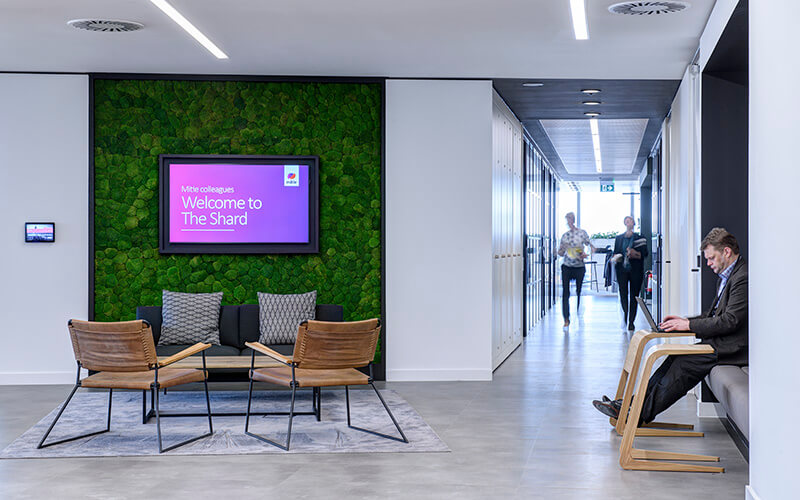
129	437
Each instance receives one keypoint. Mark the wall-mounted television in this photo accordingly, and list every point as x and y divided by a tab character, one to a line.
40	232
238	204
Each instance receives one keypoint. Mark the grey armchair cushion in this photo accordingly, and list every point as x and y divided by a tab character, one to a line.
188	318
280	315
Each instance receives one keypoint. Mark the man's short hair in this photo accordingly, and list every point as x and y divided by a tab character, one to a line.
628	217
570	214
719	238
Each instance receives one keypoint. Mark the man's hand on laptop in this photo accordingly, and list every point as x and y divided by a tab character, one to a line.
675	324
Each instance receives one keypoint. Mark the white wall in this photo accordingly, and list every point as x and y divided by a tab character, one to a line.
43	177
438	230
774	178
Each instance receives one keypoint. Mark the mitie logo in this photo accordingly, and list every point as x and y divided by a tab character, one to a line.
291	175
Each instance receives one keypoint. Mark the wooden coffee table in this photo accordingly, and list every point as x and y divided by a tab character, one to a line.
216	362
230	362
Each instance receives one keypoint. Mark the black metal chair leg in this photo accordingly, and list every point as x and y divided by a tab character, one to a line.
397	426
289	431
144	407
58	416
319	404
208	407
110	397
316	402
161	448
347	402
249	400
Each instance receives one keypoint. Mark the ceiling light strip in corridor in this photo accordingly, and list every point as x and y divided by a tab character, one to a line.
598	162
579	24
189	28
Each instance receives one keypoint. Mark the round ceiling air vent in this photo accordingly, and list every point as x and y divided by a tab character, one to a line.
107	25
648	8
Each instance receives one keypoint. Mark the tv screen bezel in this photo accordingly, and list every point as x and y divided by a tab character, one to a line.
51	224
167	247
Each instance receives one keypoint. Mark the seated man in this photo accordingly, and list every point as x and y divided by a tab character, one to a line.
724	327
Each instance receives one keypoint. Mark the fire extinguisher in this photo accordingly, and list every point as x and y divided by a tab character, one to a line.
649	284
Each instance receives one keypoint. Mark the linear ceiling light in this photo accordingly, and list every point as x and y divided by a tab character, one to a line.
579	25
189	28
598	162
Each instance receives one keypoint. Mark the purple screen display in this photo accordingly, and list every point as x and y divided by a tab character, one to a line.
223	203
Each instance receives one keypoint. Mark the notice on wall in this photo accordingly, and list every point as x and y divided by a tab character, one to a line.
221	203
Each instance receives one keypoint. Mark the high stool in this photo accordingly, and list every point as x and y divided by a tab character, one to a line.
593	275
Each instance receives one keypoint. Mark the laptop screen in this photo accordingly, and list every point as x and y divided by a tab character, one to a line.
647	314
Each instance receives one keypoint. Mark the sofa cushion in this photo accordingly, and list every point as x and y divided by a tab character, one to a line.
730	384
228	323
214	350
249	322
280	315
187	318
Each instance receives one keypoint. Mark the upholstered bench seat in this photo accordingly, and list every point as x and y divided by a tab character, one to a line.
730	385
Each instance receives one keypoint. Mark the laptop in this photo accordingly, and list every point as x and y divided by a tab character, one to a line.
643	306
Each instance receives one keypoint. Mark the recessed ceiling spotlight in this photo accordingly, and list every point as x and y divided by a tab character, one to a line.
591	103
590	91
592	114
533	84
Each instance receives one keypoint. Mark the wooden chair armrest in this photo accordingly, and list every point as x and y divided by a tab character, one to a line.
189	351
259	347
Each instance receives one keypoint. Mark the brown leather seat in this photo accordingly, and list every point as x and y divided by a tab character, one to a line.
167	377
310	378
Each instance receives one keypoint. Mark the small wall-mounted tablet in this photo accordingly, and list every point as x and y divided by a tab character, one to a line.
40	232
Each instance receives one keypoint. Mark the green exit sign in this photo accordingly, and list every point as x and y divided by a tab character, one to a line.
606	187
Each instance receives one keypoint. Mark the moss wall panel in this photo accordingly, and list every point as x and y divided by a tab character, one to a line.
136	120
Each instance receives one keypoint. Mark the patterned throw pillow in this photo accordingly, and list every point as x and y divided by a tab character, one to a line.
188	318
280	315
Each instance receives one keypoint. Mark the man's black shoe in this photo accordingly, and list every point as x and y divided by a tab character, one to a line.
607	409
617	403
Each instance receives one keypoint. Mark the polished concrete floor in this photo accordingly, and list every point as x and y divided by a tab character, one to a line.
530	433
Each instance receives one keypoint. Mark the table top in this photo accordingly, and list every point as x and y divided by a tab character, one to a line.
196	361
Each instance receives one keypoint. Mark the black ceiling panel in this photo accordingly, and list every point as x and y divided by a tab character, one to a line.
563	99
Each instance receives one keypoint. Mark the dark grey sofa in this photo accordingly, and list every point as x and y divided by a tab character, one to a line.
237	325
731	388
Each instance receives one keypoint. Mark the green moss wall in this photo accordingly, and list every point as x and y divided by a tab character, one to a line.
136	120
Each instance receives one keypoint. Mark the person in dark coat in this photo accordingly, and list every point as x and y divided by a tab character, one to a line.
630	249
723	327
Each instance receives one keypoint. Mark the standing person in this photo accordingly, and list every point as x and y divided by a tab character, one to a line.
630	249
572	268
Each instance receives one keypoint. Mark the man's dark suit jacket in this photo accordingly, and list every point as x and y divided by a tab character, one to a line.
724	326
